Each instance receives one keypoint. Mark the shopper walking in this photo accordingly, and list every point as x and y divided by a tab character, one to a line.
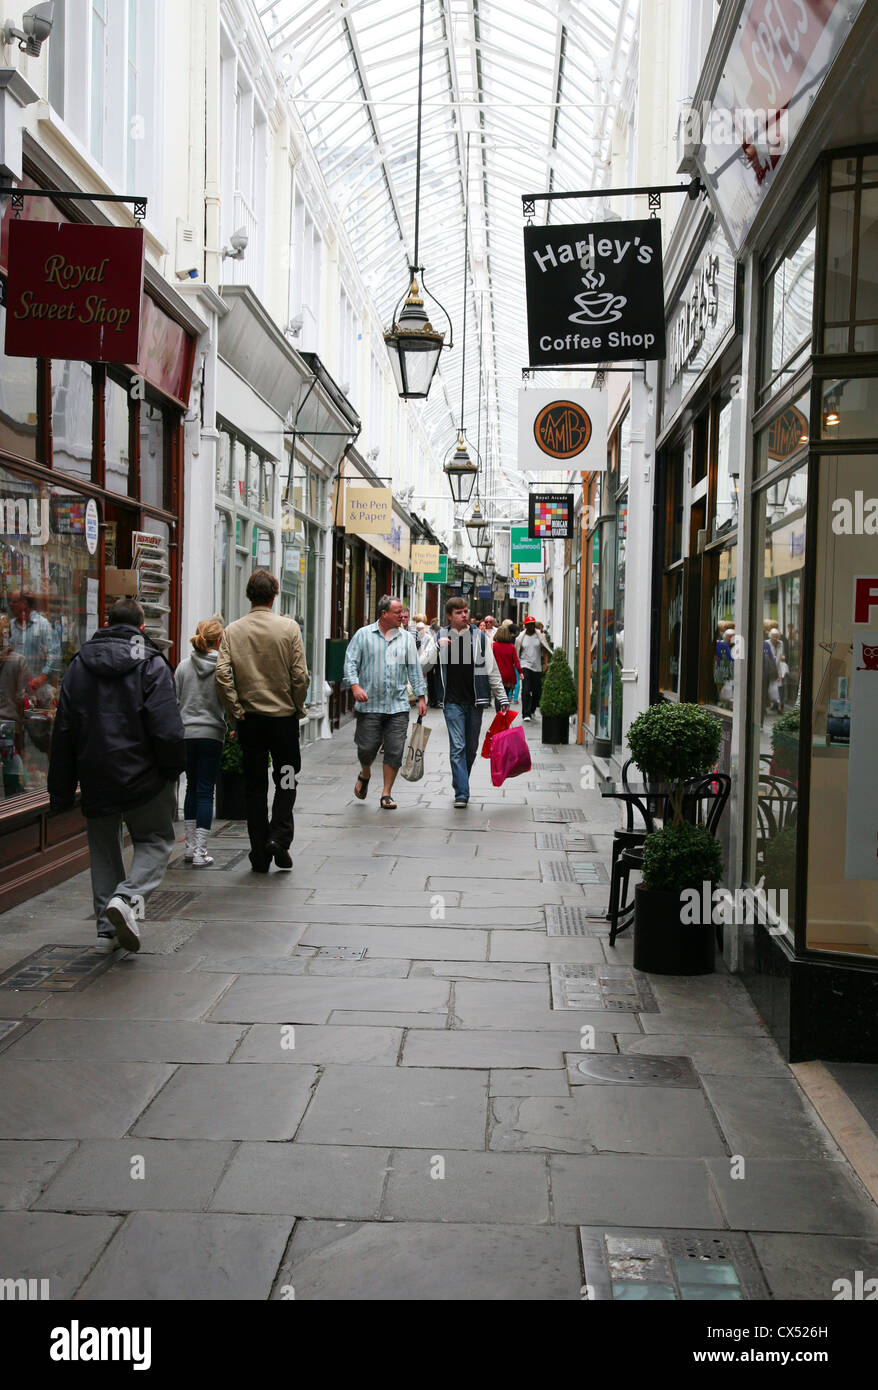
118	733
530	646
262	680
205	726
507	661
381	662
467	679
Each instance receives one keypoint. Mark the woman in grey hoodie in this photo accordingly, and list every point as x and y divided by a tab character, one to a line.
205	727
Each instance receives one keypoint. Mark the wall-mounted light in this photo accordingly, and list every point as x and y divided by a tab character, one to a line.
36	27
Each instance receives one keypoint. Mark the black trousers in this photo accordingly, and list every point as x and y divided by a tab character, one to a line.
261	735
532	689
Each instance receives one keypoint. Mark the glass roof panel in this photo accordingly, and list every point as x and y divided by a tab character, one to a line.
537	83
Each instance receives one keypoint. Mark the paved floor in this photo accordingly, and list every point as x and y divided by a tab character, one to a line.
412	1068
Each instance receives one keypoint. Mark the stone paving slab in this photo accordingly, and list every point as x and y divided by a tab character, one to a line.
415	1108
258	1000
525	1018
626	1190
727	1056
423	942
177	1175
508	1188
809	1267
135	1041
609	1119
782	1194
124	992
16	1003
716	1022
495	1048
93	1099
376	1018
177	1255
49	1245
270	1042
511	971
434	1262
535	946
523	1081
314	1180
497	994
768	1117
222	1102
25	1168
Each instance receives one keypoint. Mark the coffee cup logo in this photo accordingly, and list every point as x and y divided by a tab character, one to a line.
562	429
597	305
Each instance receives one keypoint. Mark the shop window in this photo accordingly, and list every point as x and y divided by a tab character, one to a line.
154	458
18	400
851	270
849	409
784	437
606	633
117	461
728	465
221	562
700	440
240	454
72	419
842	903
775	645
788	302
48	608
224	453
624	449
671	633
261	551
619	620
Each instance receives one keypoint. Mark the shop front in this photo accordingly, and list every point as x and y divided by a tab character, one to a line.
91	465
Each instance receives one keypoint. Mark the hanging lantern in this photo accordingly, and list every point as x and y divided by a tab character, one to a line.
477	526
414	347
461	473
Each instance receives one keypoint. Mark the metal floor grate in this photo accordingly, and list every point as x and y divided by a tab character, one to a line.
167	902
670	1266
57	968
567	921
558	813
556	871
547	767
616	988
236	828
549	787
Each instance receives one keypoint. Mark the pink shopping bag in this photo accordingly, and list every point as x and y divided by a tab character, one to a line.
510	755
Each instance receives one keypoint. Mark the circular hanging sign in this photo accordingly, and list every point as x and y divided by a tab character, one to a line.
562	429
91	525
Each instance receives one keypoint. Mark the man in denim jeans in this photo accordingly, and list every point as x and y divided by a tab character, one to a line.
467	678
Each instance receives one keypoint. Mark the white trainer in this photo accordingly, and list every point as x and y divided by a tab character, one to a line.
123	916
106	945
201	859
189	852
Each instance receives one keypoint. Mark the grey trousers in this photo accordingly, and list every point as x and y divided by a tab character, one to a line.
151	827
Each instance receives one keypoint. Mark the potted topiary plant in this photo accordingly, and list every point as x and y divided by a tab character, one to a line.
673	926
558	700
231	801
672	744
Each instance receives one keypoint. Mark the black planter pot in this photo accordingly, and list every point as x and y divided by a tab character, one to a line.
555	728
231	801
663	944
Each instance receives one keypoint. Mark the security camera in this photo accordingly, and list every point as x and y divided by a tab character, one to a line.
295	326
36	27
237	245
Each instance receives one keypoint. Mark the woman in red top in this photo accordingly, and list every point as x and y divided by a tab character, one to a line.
506	658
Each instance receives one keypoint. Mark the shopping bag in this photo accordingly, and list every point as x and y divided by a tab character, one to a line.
499	724
413	763
510	755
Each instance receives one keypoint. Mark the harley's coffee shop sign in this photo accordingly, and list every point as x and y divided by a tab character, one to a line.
594	293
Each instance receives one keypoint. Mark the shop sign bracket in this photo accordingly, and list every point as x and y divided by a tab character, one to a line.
652	191
18	195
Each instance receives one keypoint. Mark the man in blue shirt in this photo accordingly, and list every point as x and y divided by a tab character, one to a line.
380	663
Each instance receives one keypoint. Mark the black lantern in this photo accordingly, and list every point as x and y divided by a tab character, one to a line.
414	347
477	527
413	343
461	473
490	571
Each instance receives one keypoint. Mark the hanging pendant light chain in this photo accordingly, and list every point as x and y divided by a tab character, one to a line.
416	266
465	263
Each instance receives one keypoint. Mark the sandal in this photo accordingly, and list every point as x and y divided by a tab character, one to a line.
364	783
388	803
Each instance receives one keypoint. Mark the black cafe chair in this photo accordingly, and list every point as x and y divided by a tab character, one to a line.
631	837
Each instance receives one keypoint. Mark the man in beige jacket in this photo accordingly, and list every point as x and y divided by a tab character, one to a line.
262	680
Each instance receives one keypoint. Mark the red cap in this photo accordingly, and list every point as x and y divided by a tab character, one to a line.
528	620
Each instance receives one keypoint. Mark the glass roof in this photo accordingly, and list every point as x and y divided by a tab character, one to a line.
530	88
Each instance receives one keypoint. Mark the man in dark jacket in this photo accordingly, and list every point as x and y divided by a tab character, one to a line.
118	733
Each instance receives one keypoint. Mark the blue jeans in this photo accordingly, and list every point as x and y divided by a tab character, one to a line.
464	724
202	765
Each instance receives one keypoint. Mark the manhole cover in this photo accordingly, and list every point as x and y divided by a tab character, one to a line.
57	968
670	1266
167	903
566	921
233	860
549	787
639	1070
556	871
558	813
